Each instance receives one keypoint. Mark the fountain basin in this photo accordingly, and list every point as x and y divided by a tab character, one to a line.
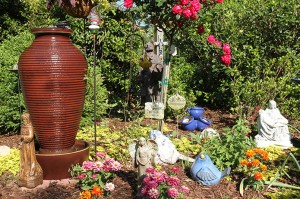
56	166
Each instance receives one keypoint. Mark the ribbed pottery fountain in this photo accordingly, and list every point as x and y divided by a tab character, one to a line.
52	74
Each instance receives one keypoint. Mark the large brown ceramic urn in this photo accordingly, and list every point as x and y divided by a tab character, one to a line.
52	72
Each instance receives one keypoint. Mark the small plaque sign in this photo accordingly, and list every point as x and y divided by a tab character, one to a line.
176	102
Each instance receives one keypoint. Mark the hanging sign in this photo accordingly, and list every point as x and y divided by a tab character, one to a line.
176	102
154	110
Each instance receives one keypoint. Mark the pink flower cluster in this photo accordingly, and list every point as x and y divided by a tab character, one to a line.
108	164
226	57
157	184
189	8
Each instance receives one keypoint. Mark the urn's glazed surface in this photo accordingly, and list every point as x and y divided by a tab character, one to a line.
52	74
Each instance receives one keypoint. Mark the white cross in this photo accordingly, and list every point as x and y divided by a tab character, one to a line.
160	43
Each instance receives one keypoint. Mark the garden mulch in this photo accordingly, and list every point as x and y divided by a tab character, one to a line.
125	180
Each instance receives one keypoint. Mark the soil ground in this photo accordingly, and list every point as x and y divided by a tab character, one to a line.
125	181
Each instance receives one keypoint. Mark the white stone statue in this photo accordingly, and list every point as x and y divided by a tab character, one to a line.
143	153
167	153
272	128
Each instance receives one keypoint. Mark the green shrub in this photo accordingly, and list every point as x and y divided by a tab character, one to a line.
228	149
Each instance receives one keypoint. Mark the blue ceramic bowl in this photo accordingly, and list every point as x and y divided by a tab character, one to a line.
196	111
203	123
189	123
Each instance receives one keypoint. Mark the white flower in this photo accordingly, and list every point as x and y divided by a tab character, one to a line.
109	186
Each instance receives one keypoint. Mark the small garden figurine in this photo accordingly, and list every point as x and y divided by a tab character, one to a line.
205	172
272	128
167	153
31	173
143	153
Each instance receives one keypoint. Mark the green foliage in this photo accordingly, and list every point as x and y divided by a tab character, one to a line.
113	143
11	162
10	51
230	148
186	146
264	40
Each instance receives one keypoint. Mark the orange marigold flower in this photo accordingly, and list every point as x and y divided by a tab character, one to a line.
244	162
263	167
255	162
258	175
250	153
97	191
85	195
257	150
264	155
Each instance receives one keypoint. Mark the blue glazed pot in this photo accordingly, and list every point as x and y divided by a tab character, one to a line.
189	123
203	123
196	111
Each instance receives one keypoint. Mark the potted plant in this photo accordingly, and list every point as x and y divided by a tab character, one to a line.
74	8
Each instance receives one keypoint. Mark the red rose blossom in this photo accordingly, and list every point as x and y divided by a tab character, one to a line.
220	1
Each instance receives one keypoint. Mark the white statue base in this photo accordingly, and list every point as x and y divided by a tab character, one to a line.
261	143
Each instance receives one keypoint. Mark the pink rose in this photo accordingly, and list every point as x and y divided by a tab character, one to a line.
187	13
177	9
196	5
211	39
128	3
184	2
226	49
226	59
218	43
200	29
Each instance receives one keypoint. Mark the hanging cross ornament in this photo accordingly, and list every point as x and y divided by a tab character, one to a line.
160	43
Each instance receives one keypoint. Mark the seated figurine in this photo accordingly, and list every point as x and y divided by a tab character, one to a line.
272	128
167	153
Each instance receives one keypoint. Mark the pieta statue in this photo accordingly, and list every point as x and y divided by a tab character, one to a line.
143	152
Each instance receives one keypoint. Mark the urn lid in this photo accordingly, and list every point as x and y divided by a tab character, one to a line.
51	30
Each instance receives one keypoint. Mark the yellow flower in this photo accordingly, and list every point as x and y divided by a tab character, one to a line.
250	153
263	167
85	195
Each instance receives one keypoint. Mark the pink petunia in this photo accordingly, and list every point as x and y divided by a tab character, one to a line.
173	192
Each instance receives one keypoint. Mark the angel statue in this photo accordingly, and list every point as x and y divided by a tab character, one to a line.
143	152
167	152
